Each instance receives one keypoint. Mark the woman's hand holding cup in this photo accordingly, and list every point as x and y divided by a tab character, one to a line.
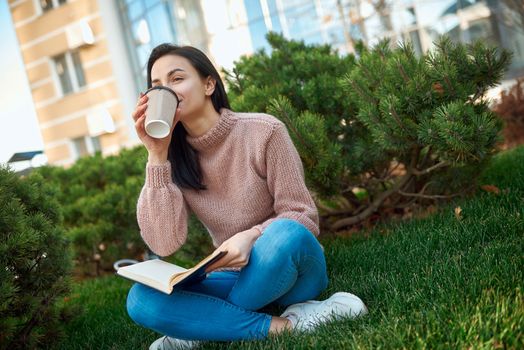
157	147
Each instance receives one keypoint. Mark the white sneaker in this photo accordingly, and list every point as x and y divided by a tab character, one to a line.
308	315
168	343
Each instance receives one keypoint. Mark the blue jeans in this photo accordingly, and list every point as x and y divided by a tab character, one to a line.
286	266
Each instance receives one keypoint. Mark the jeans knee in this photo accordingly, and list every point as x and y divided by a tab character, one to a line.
141	314
289	233
285	241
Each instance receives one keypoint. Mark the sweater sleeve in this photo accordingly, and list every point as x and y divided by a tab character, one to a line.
162	211
285	179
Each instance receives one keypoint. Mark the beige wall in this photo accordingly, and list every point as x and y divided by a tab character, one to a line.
63	118
23	11
38	72
58	18
58	153
81	100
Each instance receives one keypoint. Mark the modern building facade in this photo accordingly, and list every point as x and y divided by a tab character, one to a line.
73	82
86	59
496	22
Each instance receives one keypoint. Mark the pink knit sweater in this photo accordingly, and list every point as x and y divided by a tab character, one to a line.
253	175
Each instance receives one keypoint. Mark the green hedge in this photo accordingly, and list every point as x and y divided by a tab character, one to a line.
98	197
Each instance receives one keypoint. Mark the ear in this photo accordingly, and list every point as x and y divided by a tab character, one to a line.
210	85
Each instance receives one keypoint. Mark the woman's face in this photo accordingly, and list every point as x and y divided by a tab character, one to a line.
177	73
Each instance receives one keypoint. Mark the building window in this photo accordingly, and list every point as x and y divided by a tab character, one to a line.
47	5
148	23
95	144
85	146
68	68
80	147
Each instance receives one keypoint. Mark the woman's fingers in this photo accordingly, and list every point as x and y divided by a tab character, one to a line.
141	106
139	111
241	261
139	126
229	260
214	266
222	262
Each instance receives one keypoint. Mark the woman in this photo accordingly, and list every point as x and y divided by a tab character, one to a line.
243	178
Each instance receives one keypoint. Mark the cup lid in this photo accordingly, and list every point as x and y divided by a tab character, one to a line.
161	87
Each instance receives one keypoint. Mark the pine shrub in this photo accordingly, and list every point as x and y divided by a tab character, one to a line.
35	263
381	132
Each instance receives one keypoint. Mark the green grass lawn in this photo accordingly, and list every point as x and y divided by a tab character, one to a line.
437	282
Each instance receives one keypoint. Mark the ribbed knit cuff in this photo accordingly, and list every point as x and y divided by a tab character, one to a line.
158	175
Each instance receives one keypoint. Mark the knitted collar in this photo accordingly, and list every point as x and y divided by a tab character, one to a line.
216	134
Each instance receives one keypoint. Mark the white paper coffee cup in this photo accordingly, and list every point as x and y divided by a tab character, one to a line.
160	113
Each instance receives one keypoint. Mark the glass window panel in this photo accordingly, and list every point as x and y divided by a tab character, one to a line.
152	3
430	13
160	25
143	54
481	29
386	21
510	16
406	17
462	4
512	30
189	23
79	71
80	146
415	41
63	74
142	78
135	10
273	13
95	141
148	23
336	35
449	25
432	33
257	26
407	3
46	5
373	28
301	16
141	33
315	38
455	34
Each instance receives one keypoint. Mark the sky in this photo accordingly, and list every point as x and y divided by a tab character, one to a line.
19	130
